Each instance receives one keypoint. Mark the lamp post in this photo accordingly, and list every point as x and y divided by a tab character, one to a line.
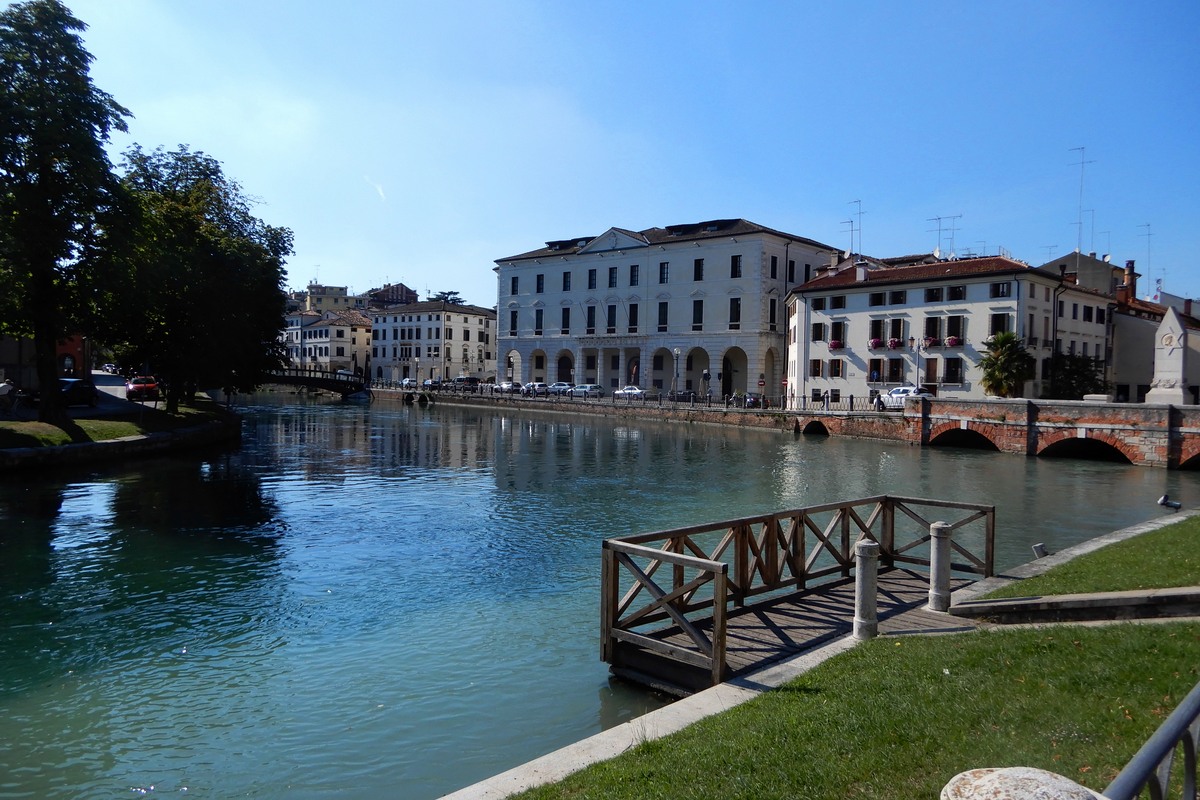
916	347
417	359
675	389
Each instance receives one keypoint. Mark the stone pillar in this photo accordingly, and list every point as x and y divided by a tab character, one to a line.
939	566
866	589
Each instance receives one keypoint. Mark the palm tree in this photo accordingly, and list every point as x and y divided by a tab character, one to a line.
1006	366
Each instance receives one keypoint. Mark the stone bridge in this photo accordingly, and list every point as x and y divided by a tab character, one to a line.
1165	436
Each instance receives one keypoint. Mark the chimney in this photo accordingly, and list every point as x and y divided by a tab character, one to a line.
1128	290
860	274
1187	307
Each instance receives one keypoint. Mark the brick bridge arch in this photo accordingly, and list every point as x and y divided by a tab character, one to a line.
1049	439
986	430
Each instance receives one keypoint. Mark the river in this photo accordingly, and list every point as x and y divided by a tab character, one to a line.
394	601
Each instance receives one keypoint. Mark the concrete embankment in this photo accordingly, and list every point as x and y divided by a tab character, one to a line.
227	431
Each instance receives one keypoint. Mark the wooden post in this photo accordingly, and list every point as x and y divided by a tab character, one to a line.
939	566
720	598
866	589
609	598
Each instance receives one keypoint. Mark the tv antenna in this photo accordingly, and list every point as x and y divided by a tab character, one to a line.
1079	222
860	213
850	222
1050	248
940	228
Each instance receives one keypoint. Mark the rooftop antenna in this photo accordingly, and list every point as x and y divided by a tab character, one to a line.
953	229
938	220
1050	248
850	222
1147	234
1082	163
860	213
984	243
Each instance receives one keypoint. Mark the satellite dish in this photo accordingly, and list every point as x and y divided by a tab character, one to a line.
937	252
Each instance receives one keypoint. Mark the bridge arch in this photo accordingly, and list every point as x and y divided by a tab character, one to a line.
814	427
1098	447
980	436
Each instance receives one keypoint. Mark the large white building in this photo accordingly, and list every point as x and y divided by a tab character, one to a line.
694	306
865	326
433	339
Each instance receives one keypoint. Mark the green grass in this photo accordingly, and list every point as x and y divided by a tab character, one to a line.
1158	559
899	717
85	428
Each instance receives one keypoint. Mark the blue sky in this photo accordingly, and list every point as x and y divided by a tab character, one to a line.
418	142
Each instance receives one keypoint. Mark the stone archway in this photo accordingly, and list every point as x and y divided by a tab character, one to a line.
511	368
564	368
733	372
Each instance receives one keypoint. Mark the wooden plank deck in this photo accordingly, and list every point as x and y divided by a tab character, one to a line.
762	633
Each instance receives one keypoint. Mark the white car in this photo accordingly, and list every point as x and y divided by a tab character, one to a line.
408	383
630	393
897	397
587	390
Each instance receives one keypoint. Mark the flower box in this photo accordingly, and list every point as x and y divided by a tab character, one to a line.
953	341
835	344
876	344
932	341
895	344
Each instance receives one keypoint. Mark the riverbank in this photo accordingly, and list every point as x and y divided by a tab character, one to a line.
898	717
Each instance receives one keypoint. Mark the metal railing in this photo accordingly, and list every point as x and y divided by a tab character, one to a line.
1150	768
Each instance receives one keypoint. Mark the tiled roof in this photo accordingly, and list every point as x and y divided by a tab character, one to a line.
942	270
429	306
711	229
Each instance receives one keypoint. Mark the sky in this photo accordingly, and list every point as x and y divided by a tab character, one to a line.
417	143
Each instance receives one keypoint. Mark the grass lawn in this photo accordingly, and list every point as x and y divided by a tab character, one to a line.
1158	559
88	427
899	717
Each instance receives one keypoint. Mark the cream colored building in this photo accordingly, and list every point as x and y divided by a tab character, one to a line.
433	339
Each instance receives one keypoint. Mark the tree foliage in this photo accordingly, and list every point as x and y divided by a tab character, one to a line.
1006	366
453	298
56	181
1072	376
205	303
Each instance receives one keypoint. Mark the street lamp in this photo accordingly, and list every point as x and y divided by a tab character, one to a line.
418	360
916	347
676	387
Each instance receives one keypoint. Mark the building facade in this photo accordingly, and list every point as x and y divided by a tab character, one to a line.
695	307
433	340
333	341
865	326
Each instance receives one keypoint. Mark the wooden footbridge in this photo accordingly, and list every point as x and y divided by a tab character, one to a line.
338	382
686	609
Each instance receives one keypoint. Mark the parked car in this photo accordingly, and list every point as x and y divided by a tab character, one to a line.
408	383
465	383
587	390
507	387
560	387
630	393
898	396
141	387
682	396
78	392
433	383
534	388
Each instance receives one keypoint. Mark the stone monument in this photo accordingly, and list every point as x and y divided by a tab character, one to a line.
1170	362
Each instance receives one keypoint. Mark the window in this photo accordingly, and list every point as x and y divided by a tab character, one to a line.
1001	289
898	298
818	304
772	313
566	282
816	368
999	324
818	332
612	277
1087	313
633	317
896	328
662	317
541	284
895	370
876	329
633	274
591	319
875	367
933	327
697	315
955	326
698	269
931	370
791	276
341	351
837	368
774	267
591	279
735	313
1074	310
664	271
565	327
876	299
933	295
956	292
735	266
1061	309
512	323
1099	316
837	301
1085	349
837	332
513	285
538	315
610	319
953	371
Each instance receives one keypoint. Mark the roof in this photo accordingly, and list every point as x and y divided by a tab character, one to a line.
878	273
688	232
431	306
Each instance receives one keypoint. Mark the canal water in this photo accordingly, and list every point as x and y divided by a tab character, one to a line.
390	601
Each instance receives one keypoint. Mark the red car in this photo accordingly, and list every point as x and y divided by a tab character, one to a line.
142	387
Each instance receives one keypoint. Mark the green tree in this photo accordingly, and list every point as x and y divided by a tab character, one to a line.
56	181
1007	366
453	298
1072	376
206	292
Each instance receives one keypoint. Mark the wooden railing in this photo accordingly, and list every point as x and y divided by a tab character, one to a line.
708	567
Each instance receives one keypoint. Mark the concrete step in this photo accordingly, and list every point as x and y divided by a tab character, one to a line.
1137	604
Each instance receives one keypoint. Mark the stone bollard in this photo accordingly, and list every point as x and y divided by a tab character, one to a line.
939	566
866	589
1014	783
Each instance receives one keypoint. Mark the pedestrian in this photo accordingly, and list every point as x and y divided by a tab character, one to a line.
8	395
